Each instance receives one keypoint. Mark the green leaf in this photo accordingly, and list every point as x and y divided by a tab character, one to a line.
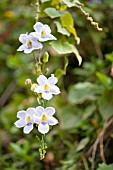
16	148
105	103
61	30
104	79
88	111
109	57
59	72
82	144
81	92
72	3
65	48
54	13
104	166
68	22
69	117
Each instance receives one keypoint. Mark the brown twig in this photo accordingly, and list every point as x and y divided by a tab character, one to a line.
102	136
94	152
101	146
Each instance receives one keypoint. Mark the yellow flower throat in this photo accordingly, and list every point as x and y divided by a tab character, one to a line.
44	118
43	33
46	87
28	119
29	43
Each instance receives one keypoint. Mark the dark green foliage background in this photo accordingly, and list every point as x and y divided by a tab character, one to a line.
86	101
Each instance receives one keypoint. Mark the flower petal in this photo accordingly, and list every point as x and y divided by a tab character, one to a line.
41	80
38	26
54	90
36	35
27	129
39	89
21	114
32	37
28	50
46	38
22	47
52	80
31	112
39	111
49	111
36	45
52	120
20	123
47	95
23	38
43	128
47	28
38	119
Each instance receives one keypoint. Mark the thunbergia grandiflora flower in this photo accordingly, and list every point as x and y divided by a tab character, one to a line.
26	119
29	43
44	118
47	86
43	32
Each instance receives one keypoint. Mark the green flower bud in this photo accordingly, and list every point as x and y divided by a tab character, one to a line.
46	57
36	67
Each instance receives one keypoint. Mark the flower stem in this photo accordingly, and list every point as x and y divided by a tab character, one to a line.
42	149
35	57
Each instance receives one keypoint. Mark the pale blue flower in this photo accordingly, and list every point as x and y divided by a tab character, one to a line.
44	118
29	43
26	119
43	32
47	86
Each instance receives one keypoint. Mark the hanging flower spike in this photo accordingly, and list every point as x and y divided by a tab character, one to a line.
29	43
43	32
47	86
26	120
44	118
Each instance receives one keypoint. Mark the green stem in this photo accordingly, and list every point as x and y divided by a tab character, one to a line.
85	164
35	57
43	142
42	149
46	103
39	60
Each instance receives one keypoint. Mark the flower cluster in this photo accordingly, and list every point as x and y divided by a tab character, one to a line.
42	117
32	41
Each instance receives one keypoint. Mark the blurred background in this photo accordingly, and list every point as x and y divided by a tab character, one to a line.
85	106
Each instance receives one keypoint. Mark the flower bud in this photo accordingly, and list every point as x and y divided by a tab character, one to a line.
46	57
33	87
36	67
46	71
28	81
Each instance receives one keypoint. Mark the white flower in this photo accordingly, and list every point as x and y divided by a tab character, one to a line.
44	117
26	119
47	86
43	32
29	43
